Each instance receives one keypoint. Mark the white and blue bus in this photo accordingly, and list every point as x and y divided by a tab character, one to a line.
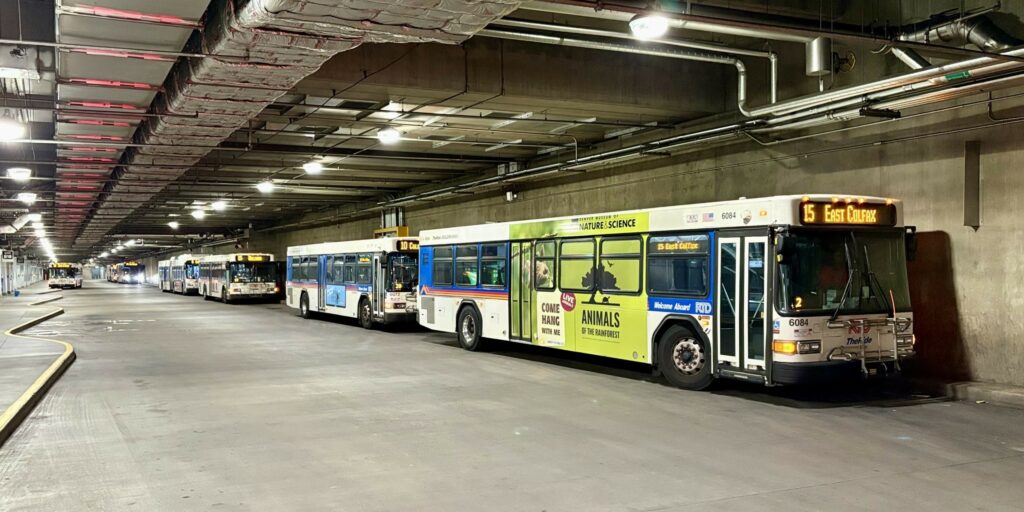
372	280
776	290
238	276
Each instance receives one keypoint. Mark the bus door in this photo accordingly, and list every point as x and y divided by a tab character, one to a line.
321	281
379	285
522	292
741	283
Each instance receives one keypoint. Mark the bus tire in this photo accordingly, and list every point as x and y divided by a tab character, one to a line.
684	358
365	314
304	306
224	295
468	329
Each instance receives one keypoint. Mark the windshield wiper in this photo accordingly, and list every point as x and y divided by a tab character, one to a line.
849	279
873	282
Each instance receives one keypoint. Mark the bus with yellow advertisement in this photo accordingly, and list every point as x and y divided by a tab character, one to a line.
373	280
238	276
777	290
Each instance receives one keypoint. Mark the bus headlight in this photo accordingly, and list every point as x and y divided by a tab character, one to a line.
789	348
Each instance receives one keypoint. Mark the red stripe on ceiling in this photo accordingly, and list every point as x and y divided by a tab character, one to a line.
117	84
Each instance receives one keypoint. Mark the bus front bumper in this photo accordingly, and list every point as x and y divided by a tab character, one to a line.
395	317
827	372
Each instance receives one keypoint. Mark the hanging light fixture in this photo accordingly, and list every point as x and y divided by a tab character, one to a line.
265	186
11	128
198	214
21	174
389	135
313	167
173	224
27	197
219	206
650	24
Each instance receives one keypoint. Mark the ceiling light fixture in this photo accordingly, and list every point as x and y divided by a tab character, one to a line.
313	167
27	197
104	254
389	135
130	243
265	186
219	206
10	128
648	25
173	224
19	173
198	214
114	250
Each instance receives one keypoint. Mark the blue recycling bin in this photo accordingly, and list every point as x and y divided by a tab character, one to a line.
17	293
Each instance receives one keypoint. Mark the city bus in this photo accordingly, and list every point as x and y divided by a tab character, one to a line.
129	272
184	274
238	276
64	275
778	290
372	280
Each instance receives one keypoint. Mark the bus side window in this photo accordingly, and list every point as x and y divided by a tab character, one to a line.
467	265
339	269
363	272
619	271
576	265
678	265
349	271
544	265
293	270
443	269
493	260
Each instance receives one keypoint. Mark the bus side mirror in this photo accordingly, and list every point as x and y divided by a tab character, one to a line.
911	242
784	249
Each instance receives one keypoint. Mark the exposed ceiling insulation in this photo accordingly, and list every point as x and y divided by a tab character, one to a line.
255	52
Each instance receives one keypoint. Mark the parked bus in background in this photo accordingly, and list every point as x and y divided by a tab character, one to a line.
777	290
372	280
184	273
164	273
64	275
238	276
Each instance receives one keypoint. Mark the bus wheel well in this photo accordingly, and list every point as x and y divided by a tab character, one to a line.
684	321
466	304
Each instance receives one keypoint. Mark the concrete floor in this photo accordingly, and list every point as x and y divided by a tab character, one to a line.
179	404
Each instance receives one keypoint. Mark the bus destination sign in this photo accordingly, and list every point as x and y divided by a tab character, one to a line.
250	257
60	265
825	213
408	245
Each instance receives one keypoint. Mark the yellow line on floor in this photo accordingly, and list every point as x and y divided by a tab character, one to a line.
17	411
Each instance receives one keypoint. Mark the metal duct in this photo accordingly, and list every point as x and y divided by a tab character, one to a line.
979	31
818	57
911	58
266	48
18	223
741	69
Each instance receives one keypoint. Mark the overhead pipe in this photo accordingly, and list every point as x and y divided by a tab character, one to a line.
741	69
978	30
911	58
18	223
773	59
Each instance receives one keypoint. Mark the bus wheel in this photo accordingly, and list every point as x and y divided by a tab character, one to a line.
304	306
468	329
365	314
224	296
683	359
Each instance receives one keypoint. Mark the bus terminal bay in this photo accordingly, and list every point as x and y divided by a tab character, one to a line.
511	256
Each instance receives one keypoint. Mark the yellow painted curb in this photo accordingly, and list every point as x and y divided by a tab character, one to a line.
19	410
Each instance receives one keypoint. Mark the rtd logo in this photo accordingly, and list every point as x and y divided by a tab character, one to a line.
568	301
855	329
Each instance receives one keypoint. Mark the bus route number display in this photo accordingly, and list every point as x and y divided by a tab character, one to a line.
60	265
249	257
818	213
408	246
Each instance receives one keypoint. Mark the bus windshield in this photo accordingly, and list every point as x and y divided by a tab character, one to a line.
265	272
403	272
63	272
191	271
815	271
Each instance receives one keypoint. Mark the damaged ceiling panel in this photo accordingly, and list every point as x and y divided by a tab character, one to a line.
249	55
